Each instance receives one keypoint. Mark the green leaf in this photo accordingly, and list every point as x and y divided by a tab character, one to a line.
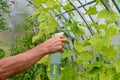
67	53
68	6
103	14
85	57
37	37
101	40
46	9
79	46
117	65
102	26
47	25
113	16
92	11
98	1
52	2
42	11
95	70
106	77
42	17
39	2
76	29
57	7
110	52
109	70
109	16
117	76
68	73
112	31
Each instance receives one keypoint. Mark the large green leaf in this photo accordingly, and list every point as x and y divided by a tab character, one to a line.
92	11
76	29
42	17
67	53
94	68
99	42
98	1
103	14
69	72
50	7
79	46
109	16
47	25
108	72
84	57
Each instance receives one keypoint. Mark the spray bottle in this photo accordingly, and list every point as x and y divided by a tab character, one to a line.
55	60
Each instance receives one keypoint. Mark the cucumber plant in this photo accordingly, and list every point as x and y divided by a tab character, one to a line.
96	55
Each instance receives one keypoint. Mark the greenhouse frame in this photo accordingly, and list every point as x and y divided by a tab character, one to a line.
91	26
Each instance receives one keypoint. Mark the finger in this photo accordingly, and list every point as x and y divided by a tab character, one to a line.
65	40
62	50
60	36
63	45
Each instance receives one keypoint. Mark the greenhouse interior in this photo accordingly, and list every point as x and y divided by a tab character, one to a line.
59	40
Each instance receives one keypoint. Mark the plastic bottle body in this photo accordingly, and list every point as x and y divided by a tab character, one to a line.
55	65
55	71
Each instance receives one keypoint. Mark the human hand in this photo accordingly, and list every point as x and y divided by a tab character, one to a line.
55	44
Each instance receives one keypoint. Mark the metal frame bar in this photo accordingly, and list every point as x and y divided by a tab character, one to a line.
83	17
78	7
65	10
86	10
107	6
115	3
70	17
12	14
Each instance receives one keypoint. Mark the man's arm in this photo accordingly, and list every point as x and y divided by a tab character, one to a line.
13	65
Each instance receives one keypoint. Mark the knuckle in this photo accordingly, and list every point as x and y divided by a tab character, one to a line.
60	46
59	43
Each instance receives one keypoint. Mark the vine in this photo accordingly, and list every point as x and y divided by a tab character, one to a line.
97	54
